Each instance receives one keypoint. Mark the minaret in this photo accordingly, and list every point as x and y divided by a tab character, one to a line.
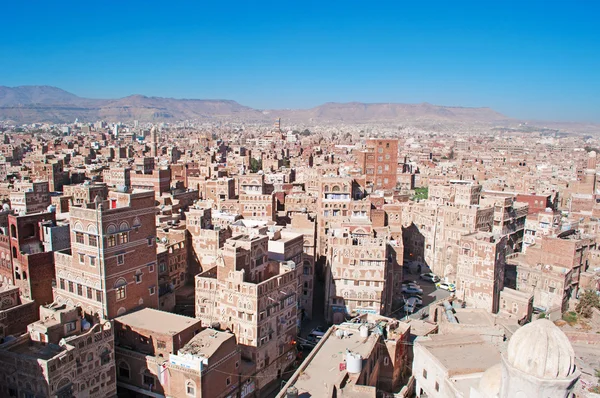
154	139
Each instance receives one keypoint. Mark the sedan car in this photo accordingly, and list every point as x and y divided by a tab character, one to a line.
430	277
411	304
411	290
446	286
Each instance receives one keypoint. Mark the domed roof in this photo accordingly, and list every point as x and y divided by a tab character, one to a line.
489	384
542	350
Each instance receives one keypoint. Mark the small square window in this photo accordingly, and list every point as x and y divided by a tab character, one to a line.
152	290
228	381
138	278
93	261
150	241
151	268
120	259
81	258
424	373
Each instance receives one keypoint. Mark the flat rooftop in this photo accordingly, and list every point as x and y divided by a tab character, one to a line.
461	355
36	350
323	369
157	321
206	343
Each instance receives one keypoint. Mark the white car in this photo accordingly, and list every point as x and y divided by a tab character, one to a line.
411	304
430	277
446	286
411	290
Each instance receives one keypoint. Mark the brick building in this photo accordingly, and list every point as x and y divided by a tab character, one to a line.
112	265
255	298
358	277
16	312
62	355
33	268
381	163
480	270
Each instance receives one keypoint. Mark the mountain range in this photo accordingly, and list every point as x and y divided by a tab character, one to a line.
28	104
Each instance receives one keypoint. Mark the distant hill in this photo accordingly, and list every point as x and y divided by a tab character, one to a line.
28	104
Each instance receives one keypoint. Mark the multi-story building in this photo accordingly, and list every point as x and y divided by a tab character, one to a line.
480	270
381	163
257	299
551	269
16	312
85	193
358	277
33	267
509	218
112	265
366	358
30	197
459	193
303	224
62	355
163	354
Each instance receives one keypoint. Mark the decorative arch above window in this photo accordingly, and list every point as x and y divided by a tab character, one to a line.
120	282
123	226
111	229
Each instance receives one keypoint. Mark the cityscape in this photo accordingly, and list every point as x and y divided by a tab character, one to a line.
294	241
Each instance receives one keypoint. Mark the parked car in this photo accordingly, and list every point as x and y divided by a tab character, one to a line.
430	277
446	286
411	304
411	284
411	290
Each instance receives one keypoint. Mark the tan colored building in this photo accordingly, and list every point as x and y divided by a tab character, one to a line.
112	265
366	358
480	270
359	275
257	299
160	354
62	355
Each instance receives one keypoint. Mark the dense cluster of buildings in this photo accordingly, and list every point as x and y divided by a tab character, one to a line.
164	261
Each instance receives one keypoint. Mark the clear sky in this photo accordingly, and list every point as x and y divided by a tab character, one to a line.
526	59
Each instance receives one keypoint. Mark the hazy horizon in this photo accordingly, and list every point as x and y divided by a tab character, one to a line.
533	61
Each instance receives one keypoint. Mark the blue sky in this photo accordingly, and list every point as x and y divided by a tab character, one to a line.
526	59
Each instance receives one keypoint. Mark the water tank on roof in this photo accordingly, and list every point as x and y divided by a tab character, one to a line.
85	325
122	188
6	207
292	392
353	362
51	209
363	331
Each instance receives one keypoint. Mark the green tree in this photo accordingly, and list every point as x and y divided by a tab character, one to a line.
255	165
587	302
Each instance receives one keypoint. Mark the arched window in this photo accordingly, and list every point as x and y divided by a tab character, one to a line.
124	370
190	388
137	222
92	229
123	226
111	229
78	227
13	231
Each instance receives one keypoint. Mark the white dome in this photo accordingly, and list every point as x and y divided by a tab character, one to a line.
542	350
489	384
